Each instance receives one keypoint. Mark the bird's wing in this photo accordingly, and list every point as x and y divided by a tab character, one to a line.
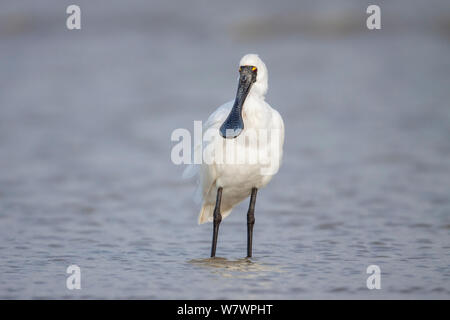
205	173
219	115
277	123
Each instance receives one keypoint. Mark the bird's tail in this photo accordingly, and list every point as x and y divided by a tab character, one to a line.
207	213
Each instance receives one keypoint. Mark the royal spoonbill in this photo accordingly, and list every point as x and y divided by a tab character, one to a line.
223	184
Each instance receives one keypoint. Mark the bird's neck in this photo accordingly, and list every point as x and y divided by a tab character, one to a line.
253	109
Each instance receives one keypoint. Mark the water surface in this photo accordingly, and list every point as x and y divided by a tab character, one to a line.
85	171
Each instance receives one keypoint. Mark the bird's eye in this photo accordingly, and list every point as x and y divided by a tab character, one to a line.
240	69
254	69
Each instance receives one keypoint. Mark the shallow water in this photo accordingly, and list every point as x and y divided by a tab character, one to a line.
86	177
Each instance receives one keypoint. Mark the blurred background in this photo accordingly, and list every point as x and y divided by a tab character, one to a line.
86	176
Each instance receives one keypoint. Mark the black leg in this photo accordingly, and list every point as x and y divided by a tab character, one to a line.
217	220
251	221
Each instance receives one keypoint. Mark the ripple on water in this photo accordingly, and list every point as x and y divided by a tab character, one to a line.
98	189
240	268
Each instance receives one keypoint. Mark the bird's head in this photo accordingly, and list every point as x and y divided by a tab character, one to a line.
252	81
253	74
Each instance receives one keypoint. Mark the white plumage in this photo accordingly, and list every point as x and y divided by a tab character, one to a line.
237	180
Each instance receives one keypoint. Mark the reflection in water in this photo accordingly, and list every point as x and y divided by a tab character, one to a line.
240	268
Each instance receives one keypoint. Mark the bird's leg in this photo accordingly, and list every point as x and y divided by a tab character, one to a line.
251	221
217	220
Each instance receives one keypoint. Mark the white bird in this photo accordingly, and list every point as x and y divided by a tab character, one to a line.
224	184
